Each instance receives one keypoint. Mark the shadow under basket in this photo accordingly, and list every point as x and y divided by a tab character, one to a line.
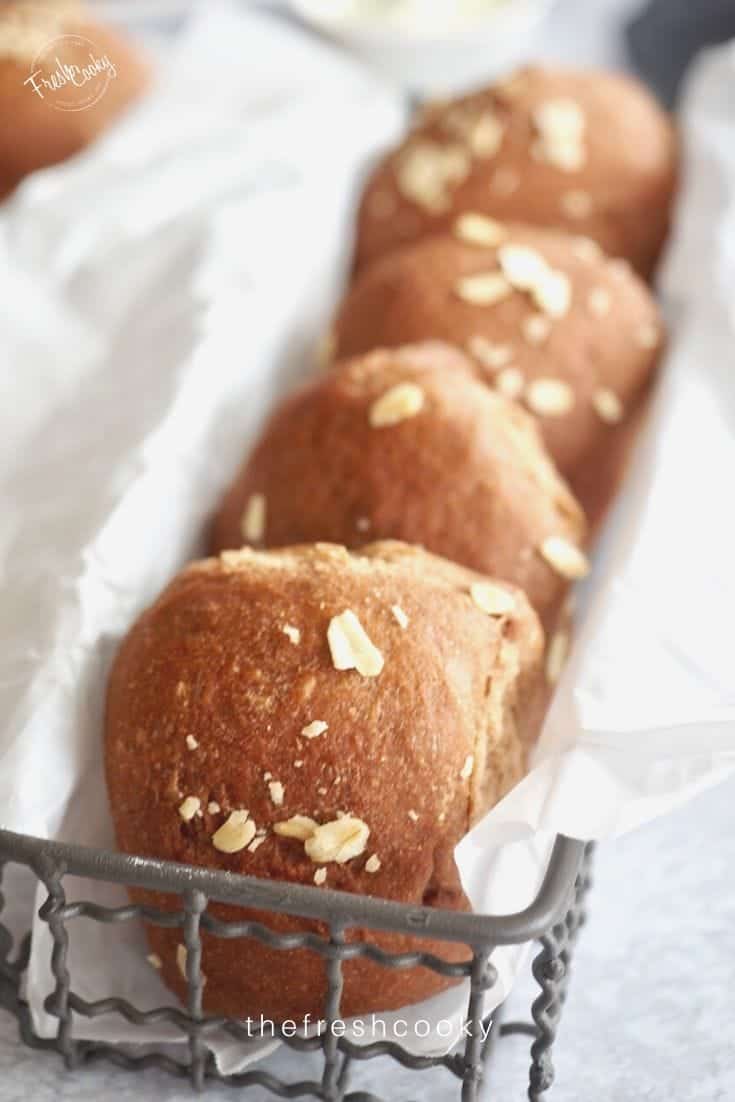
553	919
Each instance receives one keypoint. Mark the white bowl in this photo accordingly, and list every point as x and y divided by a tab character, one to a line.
432	59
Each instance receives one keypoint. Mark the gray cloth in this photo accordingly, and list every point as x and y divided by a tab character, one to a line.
668	34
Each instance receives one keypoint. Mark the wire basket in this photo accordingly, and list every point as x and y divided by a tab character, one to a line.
553	918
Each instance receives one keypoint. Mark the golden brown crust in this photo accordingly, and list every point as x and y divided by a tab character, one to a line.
609	339
600	480
612	178
35	134
209	698
466	477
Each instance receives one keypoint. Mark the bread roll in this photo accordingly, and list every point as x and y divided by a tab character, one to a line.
590	152
407	444
380	696
546	318
43	125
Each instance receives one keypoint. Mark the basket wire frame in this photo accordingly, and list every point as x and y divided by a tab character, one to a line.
554	918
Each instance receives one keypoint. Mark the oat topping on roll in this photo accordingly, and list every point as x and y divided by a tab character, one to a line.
588	152
314	770
546	318
409	444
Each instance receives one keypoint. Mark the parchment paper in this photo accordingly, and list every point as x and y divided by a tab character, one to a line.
156	295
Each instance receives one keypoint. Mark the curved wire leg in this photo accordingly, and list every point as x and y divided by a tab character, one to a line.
551	970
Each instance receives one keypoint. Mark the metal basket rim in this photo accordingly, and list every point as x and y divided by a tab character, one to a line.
349	909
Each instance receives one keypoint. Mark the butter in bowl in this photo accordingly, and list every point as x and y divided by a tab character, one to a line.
430	47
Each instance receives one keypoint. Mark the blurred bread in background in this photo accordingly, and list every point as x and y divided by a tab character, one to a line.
589	152
63	79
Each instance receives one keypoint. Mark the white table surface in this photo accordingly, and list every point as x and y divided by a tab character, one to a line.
650	1012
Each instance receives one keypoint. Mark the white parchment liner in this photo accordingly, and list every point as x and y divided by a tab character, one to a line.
156	295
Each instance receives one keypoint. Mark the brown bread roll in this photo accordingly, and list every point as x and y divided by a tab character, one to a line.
408	444
547	319
380	696
43	125
589	152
